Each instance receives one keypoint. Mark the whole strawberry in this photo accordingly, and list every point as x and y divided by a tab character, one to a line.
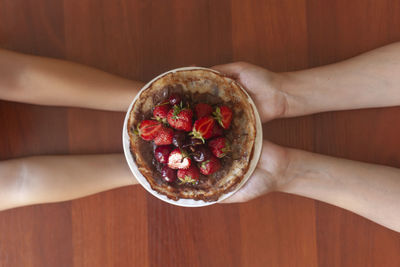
203	128
189	176
179	159
148	129
160	112
219	146
210	166
180	118
223	115
203	110
164	136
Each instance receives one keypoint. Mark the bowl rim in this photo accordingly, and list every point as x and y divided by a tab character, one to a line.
183	202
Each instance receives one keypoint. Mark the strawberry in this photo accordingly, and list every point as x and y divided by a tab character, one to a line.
203	110
164	136
223	115
180	118
202	128
179	159
219	147
210	166
160	112
217	131
190	175
148	129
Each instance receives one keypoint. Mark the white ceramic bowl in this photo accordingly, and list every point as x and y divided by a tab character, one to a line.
189	202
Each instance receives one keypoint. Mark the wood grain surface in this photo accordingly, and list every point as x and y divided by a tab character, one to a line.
139	39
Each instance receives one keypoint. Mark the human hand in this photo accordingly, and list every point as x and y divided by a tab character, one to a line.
265	87
270	174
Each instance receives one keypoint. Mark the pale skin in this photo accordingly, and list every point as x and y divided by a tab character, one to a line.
46	81
369	80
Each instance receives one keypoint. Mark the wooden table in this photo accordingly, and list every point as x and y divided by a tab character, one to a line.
140	39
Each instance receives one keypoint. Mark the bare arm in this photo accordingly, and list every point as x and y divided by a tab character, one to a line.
369	80
44	179
45	81
370	190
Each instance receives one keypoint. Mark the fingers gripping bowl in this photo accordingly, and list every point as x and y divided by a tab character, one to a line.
195	86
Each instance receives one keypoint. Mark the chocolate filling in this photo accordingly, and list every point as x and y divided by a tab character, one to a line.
146	148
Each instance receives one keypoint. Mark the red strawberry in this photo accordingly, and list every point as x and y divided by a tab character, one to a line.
223	115
210	166
217	131
190	175
179	159
160	112
164	136
202	128
148	129
219	147
180	118
203	110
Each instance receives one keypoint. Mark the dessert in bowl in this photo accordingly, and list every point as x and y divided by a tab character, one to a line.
192	136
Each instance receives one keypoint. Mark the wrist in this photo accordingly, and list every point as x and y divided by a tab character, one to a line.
275	161
295	90
304	171
293	170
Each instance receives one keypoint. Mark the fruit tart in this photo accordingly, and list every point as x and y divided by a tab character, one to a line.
192	134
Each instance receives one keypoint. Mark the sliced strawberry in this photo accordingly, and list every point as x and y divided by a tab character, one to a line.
189	176
180	118
203	110
148	129
217	131
223	115
203	128
164	136
219	146
160	112
210	166
179	159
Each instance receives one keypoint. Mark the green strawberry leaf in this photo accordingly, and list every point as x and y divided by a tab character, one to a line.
218	117
187	180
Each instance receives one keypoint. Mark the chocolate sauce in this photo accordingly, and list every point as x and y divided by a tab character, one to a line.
146	148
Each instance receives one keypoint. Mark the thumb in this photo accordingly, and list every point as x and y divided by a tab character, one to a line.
256	186
232	69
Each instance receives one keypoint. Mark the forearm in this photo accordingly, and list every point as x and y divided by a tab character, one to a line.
46	81
45	179
369	190
369	80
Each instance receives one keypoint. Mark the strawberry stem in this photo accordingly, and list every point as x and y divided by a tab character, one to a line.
197	135
187	180
203	164
218	117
